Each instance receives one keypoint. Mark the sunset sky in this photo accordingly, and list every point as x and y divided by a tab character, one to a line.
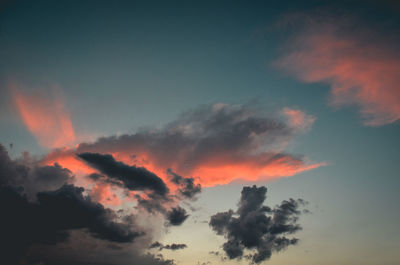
199	132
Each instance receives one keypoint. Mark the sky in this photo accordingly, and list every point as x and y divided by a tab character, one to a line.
199	132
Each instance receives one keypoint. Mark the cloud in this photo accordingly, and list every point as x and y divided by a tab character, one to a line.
132	177
45	220
176	216
156	245
257	227
213	144
140	179
27	173
299	119
45	117
49	220
357	63
173	246
187	188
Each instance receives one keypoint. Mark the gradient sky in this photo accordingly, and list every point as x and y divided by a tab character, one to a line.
325	77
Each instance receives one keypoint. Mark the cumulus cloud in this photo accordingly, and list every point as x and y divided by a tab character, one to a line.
255	227
357	63
214	144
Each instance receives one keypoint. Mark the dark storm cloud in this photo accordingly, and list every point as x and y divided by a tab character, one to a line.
187	188
176	216
133	178
173	246
255	226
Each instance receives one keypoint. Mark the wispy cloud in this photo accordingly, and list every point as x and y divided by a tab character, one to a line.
358	64
45	116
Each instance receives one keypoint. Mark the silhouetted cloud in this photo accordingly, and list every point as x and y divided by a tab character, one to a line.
140	179
176	216
132	177
173	246
44	219
49	220
256	226
156	245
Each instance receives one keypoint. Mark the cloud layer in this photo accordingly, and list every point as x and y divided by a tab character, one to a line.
356	62
254	226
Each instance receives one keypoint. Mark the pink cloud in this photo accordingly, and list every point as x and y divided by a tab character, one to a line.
299	119
45	117
360	70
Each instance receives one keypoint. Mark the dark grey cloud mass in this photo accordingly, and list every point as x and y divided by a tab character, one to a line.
44	219
26	173
49	220
132	177
257	227
173	246
176	216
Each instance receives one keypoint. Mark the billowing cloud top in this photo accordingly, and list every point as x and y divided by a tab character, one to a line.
257	227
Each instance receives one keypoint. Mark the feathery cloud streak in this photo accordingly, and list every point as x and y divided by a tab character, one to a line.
45	116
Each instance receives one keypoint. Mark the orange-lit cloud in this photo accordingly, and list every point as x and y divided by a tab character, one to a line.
214	144
360	69
251	170
45	116
104	194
